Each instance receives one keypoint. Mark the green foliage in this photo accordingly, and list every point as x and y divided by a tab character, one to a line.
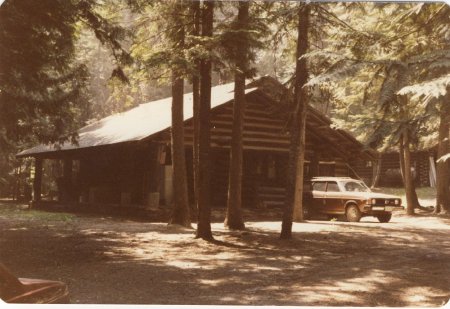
387	52
427	90
21	212
40	86
43	88
231	36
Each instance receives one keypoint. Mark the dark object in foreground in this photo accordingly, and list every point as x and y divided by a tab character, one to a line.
31	291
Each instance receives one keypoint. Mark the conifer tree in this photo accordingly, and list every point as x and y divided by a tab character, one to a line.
204	194
294	189
397	55
43	91
196	19
233	218
180	214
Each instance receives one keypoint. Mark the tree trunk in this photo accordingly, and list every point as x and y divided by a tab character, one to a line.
195	6
443	167
204	197
37	181
294	185
233	219
376	172
180	214
16	191
415	199
408	181
401	155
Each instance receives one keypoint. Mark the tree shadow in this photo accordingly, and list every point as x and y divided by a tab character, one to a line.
127	262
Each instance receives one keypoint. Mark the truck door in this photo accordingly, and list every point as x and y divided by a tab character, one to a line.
333	198
318	192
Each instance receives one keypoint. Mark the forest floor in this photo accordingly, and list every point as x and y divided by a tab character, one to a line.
117	260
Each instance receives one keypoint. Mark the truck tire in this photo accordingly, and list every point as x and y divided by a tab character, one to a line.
352	213
384	217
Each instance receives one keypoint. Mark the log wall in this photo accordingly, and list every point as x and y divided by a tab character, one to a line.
390	169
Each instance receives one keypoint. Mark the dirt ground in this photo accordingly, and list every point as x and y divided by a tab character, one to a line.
330	263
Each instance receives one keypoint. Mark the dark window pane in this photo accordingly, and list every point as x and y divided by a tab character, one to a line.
319	186
333	187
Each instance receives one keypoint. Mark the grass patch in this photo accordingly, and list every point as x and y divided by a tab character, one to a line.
426	195
21	211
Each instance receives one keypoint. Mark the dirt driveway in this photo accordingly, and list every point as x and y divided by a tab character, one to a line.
110	260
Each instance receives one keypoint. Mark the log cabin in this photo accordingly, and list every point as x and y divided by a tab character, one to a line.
124	160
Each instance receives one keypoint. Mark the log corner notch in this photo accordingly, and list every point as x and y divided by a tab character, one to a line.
37	182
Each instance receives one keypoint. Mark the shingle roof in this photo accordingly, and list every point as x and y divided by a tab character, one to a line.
135	124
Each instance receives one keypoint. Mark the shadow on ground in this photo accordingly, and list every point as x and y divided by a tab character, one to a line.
109	260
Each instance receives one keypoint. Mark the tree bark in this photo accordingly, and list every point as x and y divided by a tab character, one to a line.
233	219
402	154
180	214
204	197
376	172
195	7
408	181
443	167
37	181
294	187
16	191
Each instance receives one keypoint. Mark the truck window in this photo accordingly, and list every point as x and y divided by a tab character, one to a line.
333	187
319	186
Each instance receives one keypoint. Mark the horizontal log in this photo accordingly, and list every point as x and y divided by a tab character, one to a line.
249	134
245	139
249	119
245	147
250	111
250	125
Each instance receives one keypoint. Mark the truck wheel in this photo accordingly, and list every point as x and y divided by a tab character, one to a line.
385	217
352	213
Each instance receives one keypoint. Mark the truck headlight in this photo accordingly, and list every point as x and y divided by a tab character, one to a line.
397	202
372	201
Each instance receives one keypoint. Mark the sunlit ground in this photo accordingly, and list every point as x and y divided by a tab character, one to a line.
109	260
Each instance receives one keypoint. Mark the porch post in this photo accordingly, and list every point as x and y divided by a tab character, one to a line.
155	176
37	181
67	180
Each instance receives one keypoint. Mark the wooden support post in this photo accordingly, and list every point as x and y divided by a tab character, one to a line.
37	181
145	166
83	181
67	181
154	173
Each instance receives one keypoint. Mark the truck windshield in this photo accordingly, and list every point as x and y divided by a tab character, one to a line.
355	186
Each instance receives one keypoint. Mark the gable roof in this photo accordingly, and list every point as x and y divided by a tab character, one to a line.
135	124
148	119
